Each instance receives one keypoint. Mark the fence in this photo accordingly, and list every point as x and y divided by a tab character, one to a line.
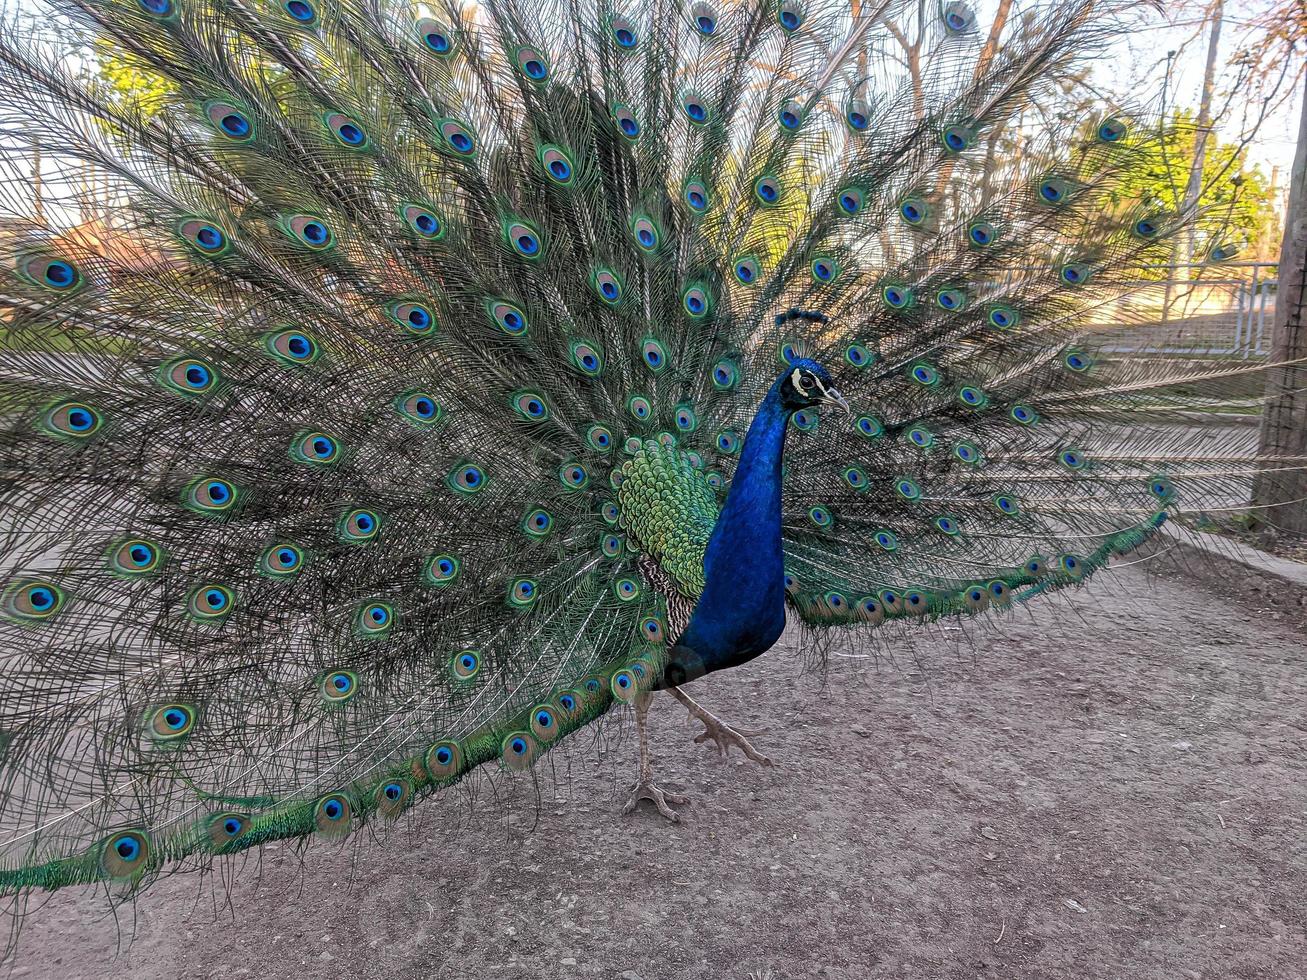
1225	311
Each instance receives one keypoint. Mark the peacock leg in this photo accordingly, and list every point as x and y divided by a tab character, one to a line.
645	788
722	734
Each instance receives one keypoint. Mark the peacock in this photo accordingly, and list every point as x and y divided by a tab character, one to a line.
439	378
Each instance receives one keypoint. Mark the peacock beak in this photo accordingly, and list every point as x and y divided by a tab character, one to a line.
832	397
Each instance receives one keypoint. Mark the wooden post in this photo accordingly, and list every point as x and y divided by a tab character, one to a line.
1282	493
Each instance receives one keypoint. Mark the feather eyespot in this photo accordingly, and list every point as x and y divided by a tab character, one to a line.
556	164
518	750
458	137
544	725
444	759
695	108
654	355
652	630
704	18
956	139
135	556
507	317
857	115
611	545
746	270
573	476
126	854
347	131
524	239
914	211
292	346
639	407
466	664
375	618
685	418
71	420
1055	190
886	540
210	602
626	589
538	523
1111	130
728	442
32	600
824	269
625	121
858	355
282	560
438	38
952	300
850	200
767	190
725	374
607	286
599	438
820	516
790	116
869	427
897	297
982	234
392	796
790	15
416	318
49	272
422	221
958	18
211	495
332	815
442	570
418	407
204	236
189	376
300	11
226	828
696	196
230	121
467	478
359	525
533	64
172	721
522	592
587	358
1006	504
1003	317
646	233
624	32
157	8
696	302
530	405
315	447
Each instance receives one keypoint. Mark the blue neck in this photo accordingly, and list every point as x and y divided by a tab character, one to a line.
742	610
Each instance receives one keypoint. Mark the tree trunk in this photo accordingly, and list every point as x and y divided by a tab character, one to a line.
1281	489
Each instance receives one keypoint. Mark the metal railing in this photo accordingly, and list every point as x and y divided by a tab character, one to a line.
1228	311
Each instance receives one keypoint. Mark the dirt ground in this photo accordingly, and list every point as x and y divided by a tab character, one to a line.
1099	787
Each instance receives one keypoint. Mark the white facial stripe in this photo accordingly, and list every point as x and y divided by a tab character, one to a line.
796	379
824	392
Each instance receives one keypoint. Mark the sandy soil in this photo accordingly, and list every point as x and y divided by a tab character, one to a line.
1097	788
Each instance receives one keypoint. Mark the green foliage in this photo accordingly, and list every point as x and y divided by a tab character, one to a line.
1236	199
129	83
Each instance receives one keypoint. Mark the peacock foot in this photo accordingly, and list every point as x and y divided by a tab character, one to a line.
647	789
721	734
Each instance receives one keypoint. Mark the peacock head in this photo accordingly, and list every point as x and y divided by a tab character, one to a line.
806	384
